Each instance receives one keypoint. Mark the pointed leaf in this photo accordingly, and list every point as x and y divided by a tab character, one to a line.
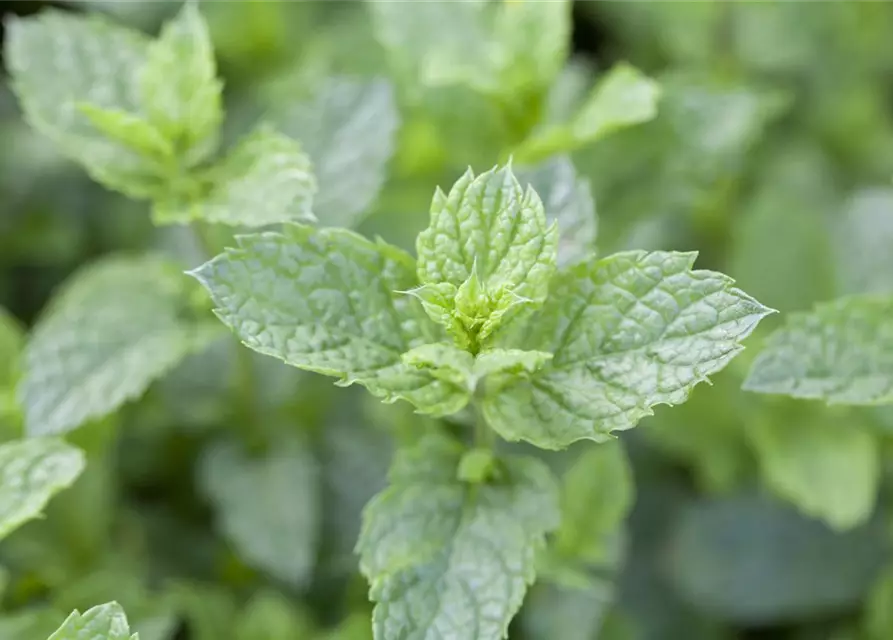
132	131
31	472
627	332
535	37
842	352
268	506
179	89
61	60
12	340
435	548
348	128
103	622
105	337
568	200
324	300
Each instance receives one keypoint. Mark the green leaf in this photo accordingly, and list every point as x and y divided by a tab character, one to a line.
103	622
59	61
265	179
111	331
755	562
827	469
266	506
878	622
435	548
597	494
534	37
33	471
132	131
179	89
840	353
348	128
623	97
626	332
432	43
568	200
324	300
863	238
488	249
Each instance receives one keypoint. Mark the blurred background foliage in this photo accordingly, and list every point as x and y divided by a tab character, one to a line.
751	517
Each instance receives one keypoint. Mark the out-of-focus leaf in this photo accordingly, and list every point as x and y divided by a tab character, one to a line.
864	243
754	561
349	129
827	465
60	60
31	472
270	616
268	506
842	352
111	331
566	198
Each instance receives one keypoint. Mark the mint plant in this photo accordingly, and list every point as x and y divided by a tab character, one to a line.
483	317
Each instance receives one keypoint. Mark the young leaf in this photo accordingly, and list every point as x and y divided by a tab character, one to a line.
349	130
435	548
324	300
840	353
828	470
179	89
103	622
627	332
622	98
268	507
132	131
265	179
111	331
487	250
59	61
31	472
567	199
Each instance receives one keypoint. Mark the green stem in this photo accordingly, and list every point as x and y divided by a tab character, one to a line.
484	437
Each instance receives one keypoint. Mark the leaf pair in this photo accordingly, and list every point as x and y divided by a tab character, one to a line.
624	333
143	117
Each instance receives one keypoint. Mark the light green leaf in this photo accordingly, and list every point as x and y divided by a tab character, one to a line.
627	332
132	131
535	37
113	329
568	200
324	300
434	548
61	60
623	97
878	622
447	362
265	179
103	622
179	89
435	43
863	241
267	506
842	352
348	128
31	472
827	469
597	494
488	250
